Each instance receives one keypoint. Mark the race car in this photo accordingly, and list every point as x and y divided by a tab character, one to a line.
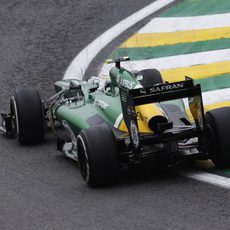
131	118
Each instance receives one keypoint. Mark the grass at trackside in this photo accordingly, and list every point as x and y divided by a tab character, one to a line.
198	7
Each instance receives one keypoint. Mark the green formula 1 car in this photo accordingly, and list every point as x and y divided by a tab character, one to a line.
130	119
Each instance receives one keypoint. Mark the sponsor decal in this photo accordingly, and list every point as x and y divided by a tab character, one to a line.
100	103
124	82
143	91
71	133
131	110
163	88
134	134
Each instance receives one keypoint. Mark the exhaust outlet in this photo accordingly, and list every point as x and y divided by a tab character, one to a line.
158	124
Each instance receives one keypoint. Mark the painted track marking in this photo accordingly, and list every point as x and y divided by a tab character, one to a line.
209	178
172	38
173	24
178	61
79	65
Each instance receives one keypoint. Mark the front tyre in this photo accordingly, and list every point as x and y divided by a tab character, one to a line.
27	115
218	136
98	156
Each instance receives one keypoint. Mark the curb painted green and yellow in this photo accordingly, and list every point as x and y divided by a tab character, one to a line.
152	46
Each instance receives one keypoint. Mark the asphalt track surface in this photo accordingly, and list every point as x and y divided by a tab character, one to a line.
42	189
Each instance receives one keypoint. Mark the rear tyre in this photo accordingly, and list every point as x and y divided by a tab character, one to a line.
28	117
218	136
98	156
150	77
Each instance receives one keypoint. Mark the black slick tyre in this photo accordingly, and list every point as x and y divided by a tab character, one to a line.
28	117
218	136
150	77
98	156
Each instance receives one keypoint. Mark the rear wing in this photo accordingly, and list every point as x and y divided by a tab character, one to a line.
159	93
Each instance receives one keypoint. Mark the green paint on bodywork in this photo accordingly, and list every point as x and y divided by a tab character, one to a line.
197	7
127	80
75	115
226	171
103	102
113	110
98	102
144	53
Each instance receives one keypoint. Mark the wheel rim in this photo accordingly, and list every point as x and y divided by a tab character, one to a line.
83	159
14	112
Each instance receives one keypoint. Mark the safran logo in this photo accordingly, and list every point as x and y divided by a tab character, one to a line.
102	104
161	88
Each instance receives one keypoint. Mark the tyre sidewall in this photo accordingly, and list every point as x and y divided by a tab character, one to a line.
102	154
29	116
218	129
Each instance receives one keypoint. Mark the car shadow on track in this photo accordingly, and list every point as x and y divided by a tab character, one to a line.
128	177
144	175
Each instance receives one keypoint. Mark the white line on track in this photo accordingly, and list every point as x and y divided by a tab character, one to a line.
177	61
173	24
79	65
215	96
212	97
209	178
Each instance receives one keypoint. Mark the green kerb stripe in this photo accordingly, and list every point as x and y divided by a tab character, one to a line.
213	83
198	7
171	50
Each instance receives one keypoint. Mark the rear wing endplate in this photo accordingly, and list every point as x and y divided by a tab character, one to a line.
159	93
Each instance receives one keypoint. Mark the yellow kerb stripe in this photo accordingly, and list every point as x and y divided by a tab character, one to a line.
210	107
171	38
216	105
196	72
